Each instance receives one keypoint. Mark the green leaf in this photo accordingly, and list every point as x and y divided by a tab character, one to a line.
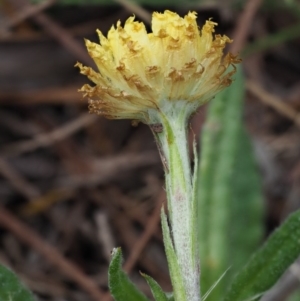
246	228
228	195
269	263
11	289
157	292
219	143
120	286
176	277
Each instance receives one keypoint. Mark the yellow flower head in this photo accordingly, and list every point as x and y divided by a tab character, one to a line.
140	72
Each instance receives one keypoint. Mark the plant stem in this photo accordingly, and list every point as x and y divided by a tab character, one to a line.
173	146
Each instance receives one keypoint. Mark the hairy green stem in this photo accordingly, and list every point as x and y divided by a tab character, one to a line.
173	145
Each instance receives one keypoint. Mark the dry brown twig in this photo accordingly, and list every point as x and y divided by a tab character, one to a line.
243	25
48	139
152	224
25	234
273	101
104	233
53	95
55	30
136	9
17	181
26	12
66	267
63	37
239	36
111	168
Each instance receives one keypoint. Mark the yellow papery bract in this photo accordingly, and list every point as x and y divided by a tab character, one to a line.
138	71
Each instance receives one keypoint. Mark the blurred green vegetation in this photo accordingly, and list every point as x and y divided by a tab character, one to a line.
230	211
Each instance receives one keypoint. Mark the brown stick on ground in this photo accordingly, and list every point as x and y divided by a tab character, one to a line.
243	24
152	224
63	37
25	13
134	8
28	236
52	95
50	138
17	181
273	101
56	31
